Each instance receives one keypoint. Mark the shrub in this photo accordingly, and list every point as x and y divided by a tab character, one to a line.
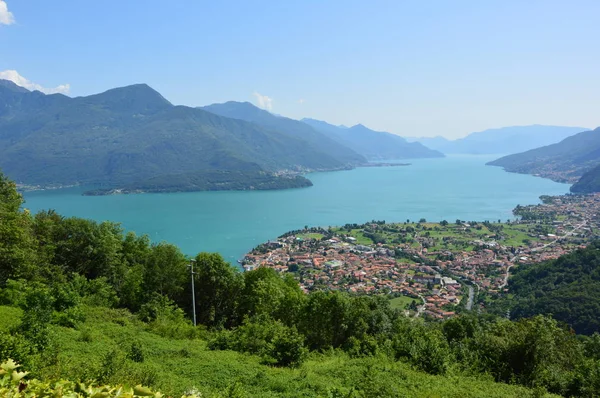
136	353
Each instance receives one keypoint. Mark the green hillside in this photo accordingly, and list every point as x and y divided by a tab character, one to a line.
130	134
565	161
589	182
115	347
294	128
568	289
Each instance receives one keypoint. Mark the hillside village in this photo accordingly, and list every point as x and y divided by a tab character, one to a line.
440	265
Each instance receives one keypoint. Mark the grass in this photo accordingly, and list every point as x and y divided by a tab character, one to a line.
360	238
402	301
312	235
98	349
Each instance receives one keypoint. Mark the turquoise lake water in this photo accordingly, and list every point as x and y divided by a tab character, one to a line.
232	223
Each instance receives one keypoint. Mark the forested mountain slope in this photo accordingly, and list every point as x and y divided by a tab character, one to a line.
589	182
294	128
130	134
567	289
565	161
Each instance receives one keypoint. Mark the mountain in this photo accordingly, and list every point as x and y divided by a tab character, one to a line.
132	134
294	128
565	161
373	145
589	182
567	288
502	140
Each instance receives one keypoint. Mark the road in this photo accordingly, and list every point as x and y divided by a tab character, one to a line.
469	305
421	308
538	249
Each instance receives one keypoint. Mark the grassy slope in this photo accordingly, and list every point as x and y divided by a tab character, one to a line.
100	346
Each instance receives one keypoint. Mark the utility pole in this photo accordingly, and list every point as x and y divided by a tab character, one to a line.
191	265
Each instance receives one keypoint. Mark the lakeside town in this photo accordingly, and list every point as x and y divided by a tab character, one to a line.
431	268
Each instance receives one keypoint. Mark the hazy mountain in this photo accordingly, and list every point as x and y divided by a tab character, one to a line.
130	134
565	161
373	144
504	140
321	142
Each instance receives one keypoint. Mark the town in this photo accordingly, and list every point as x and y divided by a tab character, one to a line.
431	269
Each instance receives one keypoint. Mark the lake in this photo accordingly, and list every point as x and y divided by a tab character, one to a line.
232	223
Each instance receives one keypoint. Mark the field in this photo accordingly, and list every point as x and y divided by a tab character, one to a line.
402	301
103	348
450	236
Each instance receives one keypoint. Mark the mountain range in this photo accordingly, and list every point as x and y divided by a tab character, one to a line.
132	138
565	161
505	140
374	145
339	141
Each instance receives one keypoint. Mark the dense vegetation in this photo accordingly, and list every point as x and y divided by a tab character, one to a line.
372	144
320	142
588	183
571	157
568	289
85	301
211	180
131	134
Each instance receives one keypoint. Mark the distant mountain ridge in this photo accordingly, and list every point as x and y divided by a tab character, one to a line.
131	134
294	128
565	161
374	145
505	140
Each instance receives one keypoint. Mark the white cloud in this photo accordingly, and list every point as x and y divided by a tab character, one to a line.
264	101
19	80
301	101
6	17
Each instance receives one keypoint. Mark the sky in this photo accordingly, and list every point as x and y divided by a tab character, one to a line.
414	68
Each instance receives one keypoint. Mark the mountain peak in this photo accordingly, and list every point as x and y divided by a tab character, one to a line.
139	98
13	86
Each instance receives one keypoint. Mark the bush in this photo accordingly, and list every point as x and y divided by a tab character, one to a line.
136	353
288	348
166	319
276	343
422	345
37	314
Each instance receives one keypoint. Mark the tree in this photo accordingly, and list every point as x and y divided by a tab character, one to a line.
218	287
166	272
18	255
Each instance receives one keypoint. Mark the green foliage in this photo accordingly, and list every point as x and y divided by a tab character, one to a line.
218	286
37	314
273	341
17	246
567	288
14	384
422	345
166	319
210	180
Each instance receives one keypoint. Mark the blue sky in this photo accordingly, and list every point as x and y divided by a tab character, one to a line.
414	68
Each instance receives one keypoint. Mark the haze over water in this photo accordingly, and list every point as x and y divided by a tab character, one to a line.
233	222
